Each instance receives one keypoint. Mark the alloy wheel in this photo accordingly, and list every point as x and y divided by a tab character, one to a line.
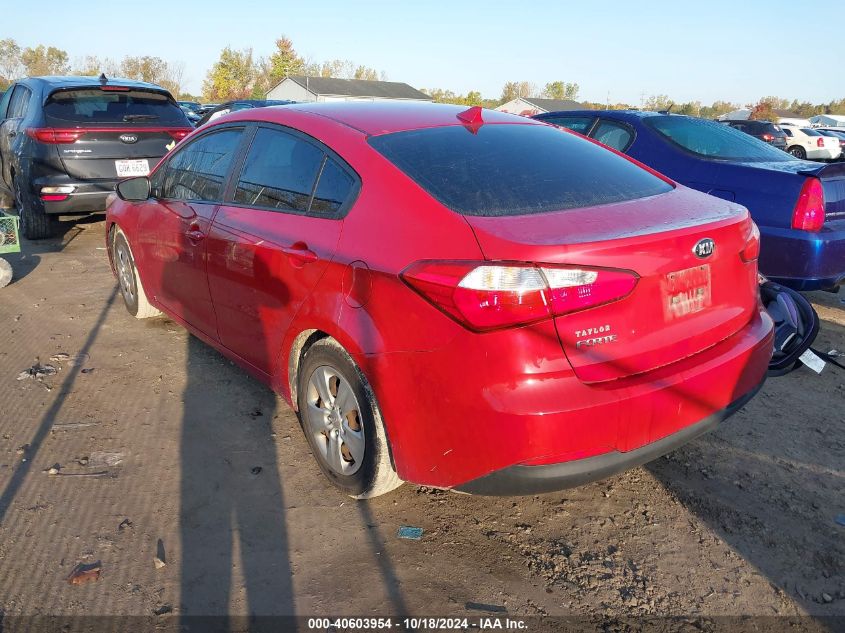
125	272
334	421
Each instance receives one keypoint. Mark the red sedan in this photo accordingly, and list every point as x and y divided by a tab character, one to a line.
458	298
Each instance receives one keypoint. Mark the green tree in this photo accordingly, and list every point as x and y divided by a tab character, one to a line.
365	72
763	111
561	90
231	77
43	60
657	103
513	89
144	68
10	61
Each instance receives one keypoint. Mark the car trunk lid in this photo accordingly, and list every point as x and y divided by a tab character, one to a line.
682	303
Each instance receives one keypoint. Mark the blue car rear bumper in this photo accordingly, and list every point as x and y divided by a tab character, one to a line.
803	260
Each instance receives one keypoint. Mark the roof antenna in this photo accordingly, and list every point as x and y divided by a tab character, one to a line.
471	118
103	79
667	110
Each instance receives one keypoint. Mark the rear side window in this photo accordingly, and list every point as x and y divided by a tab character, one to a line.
198	171
580	124
514	169
809	132
98	106
613	135
19	102
279	172
333	189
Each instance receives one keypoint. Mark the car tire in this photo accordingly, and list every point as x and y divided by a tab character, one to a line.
342	422
129	283
797	152
35	224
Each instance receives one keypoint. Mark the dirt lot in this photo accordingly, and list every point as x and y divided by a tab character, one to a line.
213	470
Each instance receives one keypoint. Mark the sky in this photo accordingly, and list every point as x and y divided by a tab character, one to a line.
616	51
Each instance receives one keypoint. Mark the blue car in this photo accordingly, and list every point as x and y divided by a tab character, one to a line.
798	205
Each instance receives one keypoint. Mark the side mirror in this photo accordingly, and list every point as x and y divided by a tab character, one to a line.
134	189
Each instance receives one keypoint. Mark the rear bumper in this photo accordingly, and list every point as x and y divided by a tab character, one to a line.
802	260
527	480
510	400
87	197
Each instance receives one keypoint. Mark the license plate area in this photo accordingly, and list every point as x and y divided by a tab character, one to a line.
129	168
686	292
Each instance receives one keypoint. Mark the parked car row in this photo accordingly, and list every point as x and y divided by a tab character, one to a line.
436	290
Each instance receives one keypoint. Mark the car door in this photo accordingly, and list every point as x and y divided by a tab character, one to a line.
11	130
273	239
174	224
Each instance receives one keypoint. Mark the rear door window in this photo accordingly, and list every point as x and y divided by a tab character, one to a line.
279	172
580	124
4	102
514	169
197	172
19	102
615	135
99	106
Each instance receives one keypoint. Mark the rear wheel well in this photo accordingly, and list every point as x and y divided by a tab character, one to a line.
303	341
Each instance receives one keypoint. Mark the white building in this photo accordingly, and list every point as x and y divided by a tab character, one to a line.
828	120
310	89
529	106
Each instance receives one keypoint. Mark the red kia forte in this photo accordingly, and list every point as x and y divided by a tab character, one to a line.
458	298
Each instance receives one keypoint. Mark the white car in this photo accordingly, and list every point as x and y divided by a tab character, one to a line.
804	142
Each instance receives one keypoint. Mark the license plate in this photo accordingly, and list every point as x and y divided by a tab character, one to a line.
686	291
127	168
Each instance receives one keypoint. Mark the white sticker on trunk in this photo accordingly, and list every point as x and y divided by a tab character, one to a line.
812	361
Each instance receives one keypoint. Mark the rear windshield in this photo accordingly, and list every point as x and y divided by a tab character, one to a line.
514	169
712	140
809	132
98	106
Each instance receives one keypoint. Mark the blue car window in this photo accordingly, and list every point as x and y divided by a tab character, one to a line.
613	135
580	124
714	140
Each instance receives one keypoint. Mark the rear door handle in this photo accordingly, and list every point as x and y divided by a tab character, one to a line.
300	252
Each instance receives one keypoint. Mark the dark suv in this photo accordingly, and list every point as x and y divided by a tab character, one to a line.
66	141
764	130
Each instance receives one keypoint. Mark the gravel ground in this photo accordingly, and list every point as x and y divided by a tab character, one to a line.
165	450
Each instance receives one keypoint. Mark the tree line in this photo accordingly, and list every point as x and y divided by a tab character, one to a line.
238	74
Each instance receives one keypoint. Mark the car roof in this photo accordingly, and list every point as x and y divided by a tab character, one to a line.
93	82
381	117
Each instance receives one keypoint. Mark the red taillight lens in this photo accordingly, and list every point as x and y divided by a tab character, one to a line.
809	210
768	137
53	197
751	250
820	141
487	296
53	135
179	134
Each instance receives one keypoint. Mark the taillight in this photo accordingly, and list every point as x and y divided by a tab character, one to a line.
179	134
487	296
820	141
751	250
53	135
768	137
809	210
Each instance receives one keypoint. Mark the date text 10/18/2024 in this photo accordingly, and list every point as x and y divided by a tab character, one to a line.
417	624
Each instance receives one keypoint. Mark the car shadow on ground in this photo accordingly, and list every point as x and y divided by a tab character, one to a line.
772	476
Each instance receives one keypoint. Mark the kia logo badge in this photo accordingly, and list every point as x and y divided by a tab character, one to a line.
704	248
129	138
